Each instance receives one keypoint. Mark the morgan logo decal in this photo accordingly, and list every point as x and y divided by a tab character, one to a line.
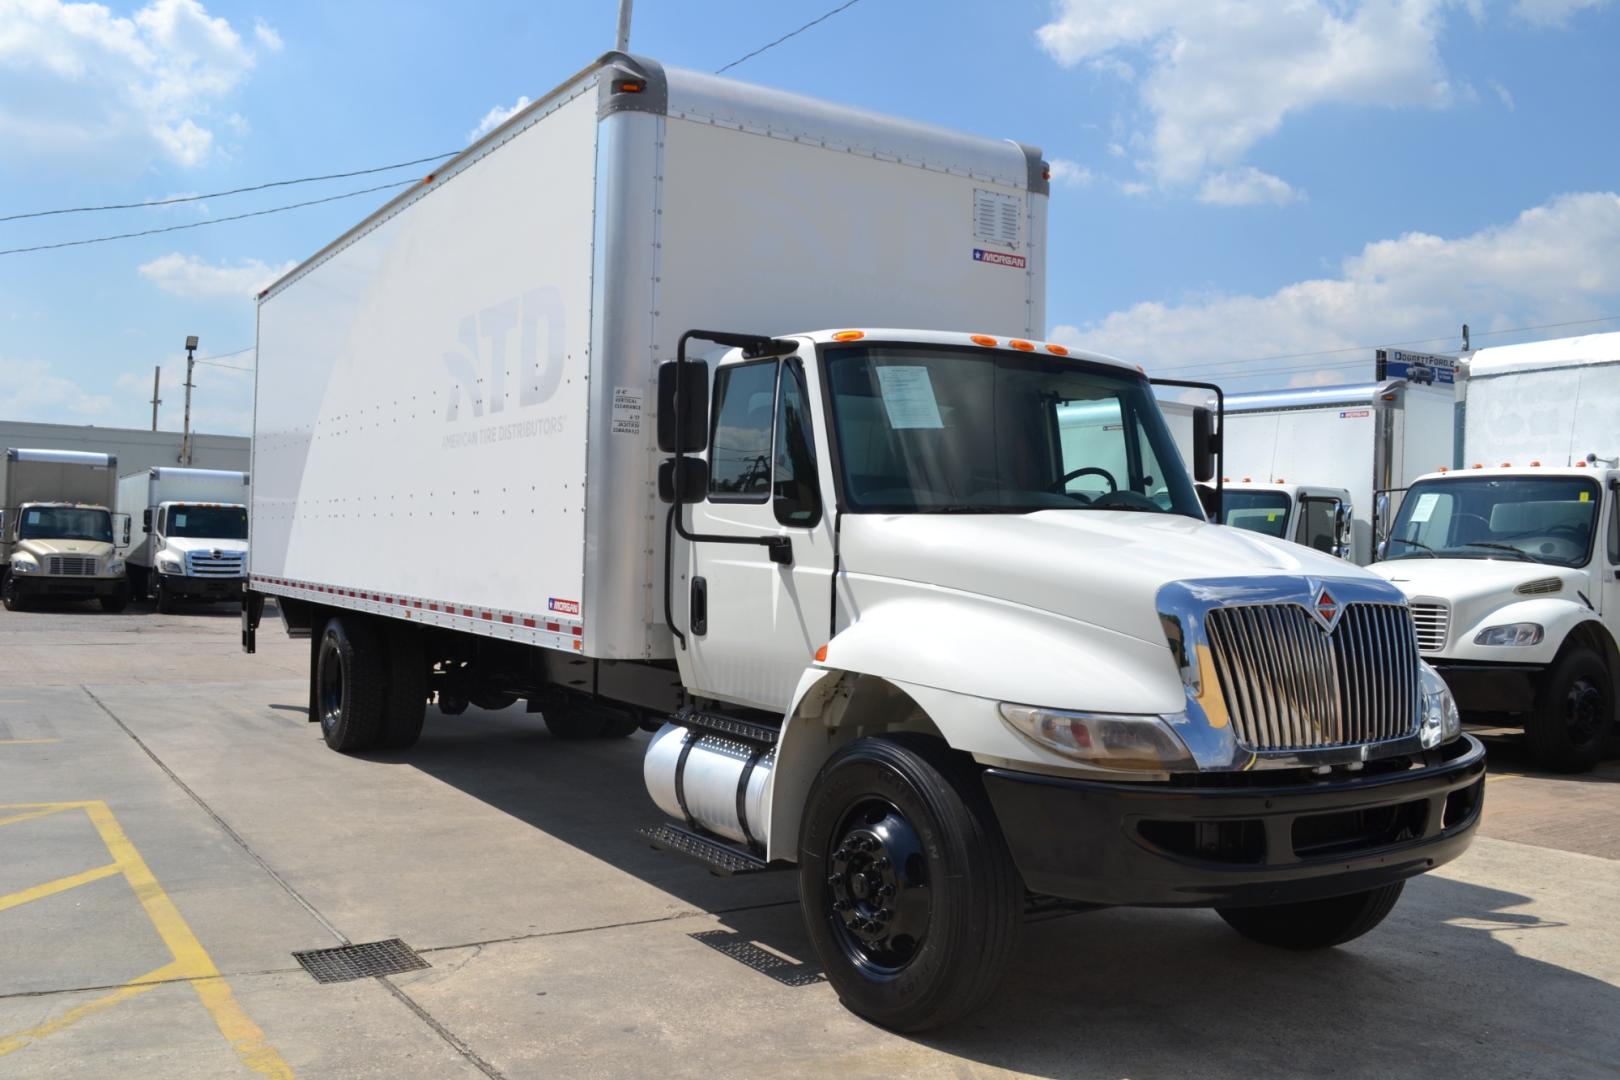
563	607
997	258
1326	609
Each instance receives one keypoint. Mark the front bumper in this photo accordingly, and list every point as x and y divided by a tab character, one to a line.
1487	688
45	587
1155	845
183	587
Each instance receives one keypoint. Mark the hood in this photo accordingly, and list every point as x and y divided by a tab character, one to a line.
1103	567
185	545
66	547
1462	581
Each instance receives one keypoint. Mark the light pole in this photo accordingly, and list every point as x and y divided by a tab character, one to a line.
185	434
157	375
623	41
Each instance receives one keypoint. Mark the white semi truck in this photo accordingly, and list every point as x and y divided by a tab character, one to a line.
1315	515
56	529
889	631
1512	563
1365	439
188	534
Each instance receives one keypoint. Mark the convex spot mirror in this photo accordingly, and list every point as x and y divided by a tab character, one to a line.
694	479
683	401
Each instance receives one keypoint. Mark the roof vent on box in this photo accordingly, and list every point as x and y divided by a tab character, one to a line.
996	217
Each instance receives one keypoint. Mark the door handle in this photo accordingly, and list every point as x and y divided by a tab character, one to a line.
699	609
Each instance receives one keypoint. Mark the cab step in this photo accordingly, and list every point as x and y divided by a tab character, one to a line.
720	857
736	727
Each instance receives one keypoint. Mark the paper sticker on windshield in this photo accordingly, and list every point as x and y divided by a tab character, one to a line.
1425	506
179	520
33	517
1586	496
908	397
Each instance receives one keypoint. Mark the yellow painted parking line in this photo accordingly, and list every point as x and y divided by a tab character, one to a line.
26	742
51	888
191	961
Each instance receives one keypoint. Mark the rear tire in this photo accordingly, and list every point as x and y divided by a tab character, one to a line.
350	684
406	706
1314	924
908	891
11	593
1574	714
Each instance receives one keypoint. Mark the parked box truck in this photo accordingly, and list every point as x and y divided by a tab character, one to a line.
1365	439
56	529
888	627
1512	564
187	533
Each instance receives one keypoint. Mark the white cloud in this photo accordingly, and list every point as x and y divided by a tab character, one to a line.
194	278
496	117
1247	186
266	35
1553	263
1070	173
1554	13
31	389
1504	95
1221	75
78	82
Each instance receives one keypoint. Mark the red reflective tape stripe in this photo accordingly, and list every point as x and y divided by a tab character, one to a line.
484	615
506	618
555	628
467	611
529	623
433	607
578	630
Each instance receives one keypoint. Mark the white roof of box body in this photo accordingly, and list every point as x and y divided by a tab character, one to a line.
1558	352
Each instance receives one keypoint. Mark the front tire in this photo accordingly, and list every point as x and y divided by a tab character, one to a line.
1574	714
162	598
117	602
1314	924
350	684
909	893
11	593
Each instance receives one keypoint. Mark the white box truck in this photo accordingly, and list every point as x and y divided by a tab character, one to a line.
887	631
187	534
1364	439
1512	564
56	529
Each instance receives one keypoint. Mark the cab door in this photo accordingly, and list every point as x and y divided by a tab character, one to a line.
1608	558
755	616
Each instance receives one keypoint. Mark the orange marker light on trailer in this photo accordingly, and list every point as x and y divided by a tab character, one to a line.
1477	465
1507	464
849	335
821	654
1058	350
630	86
1535	464
1021	345
984	339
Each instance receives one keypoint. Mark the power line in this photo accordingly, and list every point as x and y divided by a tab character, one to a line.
784	37
222	194
210	221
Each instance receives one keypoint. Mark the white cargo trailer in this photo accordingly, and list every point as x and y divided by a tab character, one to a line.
186	533
1550	401
1365	439
57	538
891	625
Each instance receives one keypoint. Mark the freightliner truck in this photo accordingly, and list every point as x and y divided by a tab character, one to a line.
56	529
886	629
1512	563
188	534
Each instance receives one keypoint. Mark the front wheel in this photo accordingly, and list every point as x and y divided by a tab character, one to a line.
162	598
11	593
116	602
1315	924
1574	713
909	893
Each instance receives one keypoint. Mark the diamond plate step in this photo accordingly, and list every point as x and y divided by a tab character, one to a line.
720	857
737	728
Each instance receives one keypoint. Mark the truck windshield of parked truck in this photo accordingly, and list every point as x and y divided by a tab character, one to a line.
1257	511
208	522
935	429
64	523
1546	519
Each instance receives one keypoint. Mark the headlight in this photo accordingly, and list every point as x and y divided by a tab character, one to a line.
115	567
1105	740
22	563
1519	633
168	564
1441	721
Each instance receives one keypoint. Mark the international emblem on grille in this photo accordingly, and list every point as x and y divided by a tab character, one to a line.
1326	609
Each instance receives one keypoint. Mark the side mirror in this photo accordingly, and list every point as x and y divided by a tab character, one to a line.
1206	443
146	520
694	480
128	522
1381	520
683	394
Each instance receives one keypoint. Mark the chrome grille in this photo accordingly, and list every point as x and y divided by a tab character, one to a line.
208	564
1433	622
71	565
1289	685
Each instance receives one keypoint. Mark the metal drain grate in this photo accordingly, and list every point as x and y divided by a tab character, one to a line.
364	961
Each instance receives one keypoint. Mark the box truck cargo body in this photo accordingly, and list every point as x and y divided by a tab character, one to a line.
604	416
1512	564
57	528
187	533
1365	439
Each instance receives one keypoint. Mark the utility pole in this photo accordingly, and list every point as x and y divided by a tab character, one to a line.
624	26
157	374
185	436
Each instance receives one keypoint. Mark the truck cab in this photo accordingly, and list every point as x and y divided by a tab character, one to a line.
1513	574
1311	514
63	551
198	551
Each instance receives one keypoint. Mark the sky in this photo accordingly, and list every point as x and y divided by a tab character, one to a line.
1253	191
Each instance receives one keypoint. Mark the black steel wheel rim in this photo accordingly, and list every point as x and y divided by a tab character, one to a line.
1585	710
329	688
878	898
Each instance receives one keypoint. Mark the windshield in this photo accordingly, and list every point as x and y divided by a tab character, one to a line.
1530	518
64	523
208	522
1258	511
933	429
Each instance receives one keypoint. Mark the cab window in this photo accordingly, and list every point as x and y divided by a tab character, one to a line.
740	444
797	498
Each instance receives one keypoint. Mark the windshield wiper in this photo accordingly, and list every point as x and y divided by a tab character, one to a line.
1520	552
1420	545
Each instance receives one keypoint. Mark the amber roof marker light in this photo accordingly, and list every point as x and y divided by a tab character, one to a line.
984	339
849	335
